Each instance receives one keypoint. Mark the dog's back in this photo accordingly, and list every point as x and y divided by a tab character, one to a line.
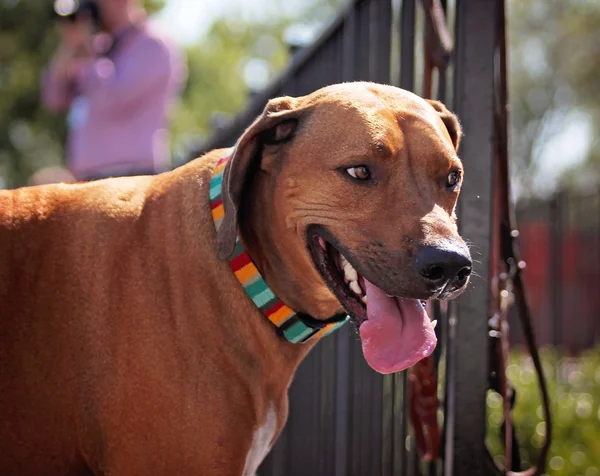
53	239
83	269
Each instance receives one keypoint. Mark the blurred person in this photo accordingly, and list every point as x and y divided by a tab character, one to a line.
117	87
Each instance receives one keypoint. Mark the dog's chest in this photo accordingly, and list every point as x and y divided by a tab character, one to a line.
261	442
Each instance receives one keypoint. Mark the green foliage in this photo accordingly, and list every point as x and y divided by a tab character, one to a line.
553	77
574	386
216	73
553	51
30	137
217	82
153	6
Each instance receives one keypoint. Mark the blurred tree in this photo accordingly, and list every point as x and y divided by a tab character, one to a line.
554	81
554	93
30	136
240	55
237	54
219	73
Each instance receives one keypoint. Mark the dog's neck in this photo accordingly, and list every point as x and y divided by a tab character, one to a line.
296	327
280	253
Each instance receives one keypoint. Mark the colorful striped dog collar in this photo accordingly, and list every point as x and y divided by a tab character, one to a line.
295	327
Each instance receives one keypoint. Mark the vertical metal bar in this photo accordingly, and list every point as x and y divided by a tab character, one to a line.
556	265
413	458
451	69
387	422
450	395
323	406
476	26
376	414
399	383
395	43
361	41
435	307
400	423
302	409
342	395
358	429
419	49
316	384
595	331
363	414
380	40
290	86
407	45
438	315
374	25
349	51
442	75
328	365
330	58
583	253
338	50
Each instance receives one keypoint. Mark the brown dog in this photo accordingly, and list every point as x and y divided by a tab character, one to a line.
128	346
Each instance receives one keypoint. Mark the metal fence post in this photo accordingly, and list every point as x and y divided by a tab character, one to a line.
476	25
556	249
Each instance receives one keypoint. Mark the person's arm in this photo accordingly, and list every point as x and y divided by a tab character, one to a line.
58	85
144	69
59	79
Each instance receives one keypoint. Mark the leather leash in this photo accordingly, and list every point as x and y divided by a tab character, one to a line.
507	286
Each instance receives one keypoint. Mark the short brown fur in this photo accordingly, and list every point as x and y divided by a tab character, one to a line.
127	347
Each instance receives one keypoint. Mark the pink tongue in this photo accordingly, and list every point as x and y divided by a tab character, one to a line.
397	334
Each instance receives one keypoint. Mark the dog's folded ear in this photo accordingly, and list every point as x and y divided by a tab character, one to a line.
275	125
449	120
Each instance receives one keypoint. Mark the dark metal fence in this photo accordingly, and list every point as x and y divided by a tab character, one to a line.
344	418
560	240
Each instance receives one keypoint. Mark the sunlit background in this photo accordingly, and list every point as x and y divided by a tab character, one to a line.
235	47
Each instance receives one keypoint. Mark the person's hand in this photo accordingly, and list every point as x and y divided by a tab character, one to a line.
75	47
76	36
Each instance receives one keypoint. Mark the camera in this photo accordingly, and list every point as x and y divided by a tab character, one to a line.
71	10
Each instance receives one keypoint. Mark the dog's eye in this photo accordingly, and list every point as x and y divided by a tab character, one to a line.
453	179
359	173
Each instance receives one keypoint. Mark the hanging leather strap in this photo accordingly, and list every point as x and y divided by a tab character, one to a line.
507	286
507	283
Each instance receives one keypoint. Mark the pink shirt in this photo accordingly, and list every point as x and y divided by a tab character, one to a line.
119	105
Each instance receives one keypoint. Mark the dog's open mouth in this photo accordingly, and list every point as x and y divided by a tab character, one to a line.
395	332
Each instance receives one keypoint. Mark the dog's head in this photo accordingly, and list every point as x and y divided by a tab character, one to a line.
360	181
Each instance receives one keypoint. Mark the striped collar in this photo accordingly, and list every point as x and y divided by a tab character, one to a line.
295	327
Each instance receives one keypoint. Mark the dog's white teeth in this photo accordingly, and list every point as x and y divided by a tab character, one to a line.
351	278
322	243
433	323
355	288
364	300
350	273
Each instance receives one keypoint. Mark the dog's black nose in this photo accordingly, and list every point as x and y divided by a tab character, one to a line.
440	267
